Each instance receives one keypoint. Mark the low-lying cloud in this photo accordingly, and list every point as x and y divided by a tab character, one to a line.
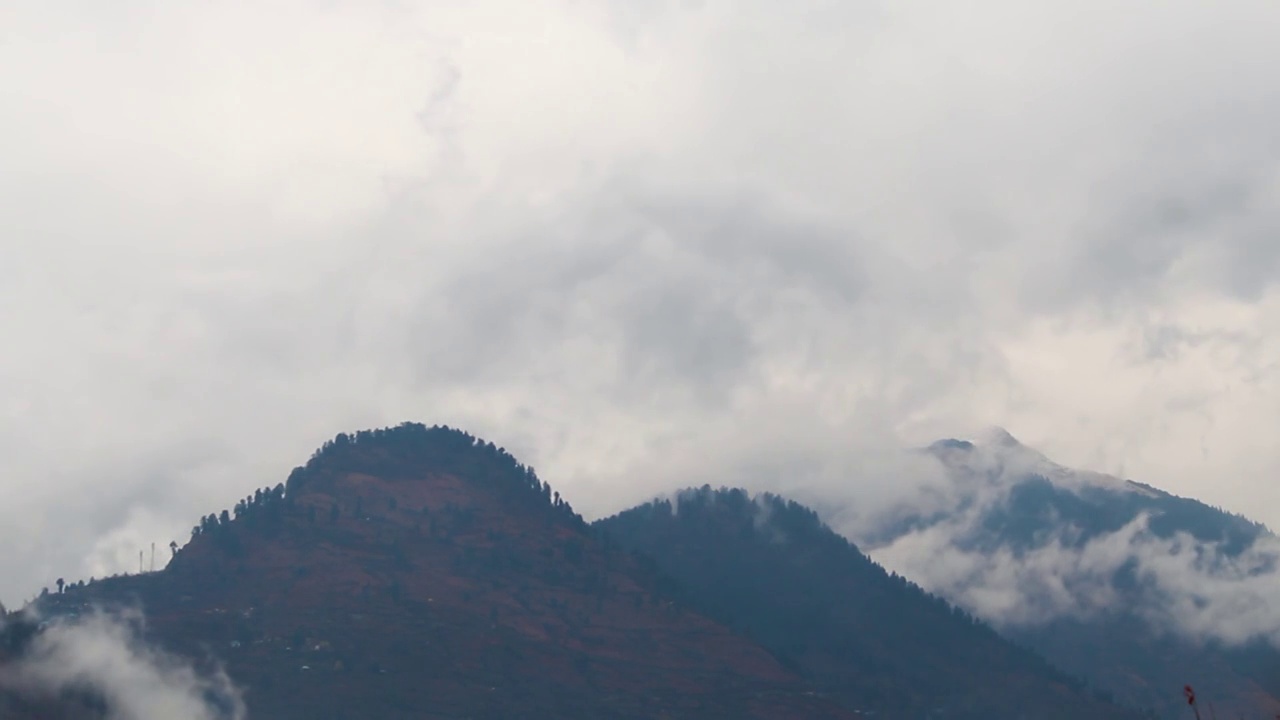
1186	586
104	656
1176	582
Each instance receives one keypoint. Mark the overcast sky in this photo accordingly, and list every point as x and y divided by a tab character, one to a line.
640	243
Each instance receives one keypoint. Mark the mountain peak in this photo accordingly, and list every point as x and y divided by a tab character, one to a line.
412	456
992	438
995	455
997	436
412	572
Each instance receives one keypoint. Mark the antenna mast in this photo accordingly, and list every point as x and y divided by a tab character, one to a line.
153	557
139	562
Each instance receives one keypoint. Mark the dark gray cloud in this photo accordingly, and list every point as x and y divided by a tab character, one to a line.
641	245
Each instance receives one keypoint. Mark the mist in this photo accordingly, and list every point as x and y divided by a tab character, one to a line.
1179	584
105	655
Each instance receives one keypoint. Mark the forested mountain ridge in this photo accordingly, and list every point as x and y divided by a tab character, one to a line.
417	572
870	638
421	573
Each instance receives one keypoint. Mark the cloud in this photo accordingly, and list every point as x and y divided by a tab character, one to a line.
641	245
105	656
1188	587
949	539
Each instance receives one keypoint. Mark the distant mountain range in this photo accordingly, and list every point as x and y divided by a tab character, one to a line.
1134	589
419	572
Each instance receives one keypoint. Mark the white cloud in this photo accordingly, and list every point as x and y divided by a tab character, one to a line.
103	655
1177	583
1227	600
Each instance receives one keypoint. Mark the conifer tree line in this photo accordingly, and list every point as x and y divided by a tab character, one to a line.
404	451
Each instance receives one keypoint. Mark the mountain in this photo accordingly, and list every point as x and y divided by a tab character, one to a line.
421	573
1135	589
871	639
1040	497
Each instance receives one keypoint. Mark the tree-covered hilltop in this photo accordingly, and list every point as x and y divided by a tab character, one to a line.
418	572
403	451
770	568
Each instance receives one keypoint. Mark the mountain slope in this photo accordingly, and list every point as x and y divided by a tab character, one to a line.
1133	588
420	573
871	639
1037	495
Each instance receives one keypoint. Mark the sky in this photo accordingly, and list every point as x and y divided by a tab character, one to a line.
641	245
